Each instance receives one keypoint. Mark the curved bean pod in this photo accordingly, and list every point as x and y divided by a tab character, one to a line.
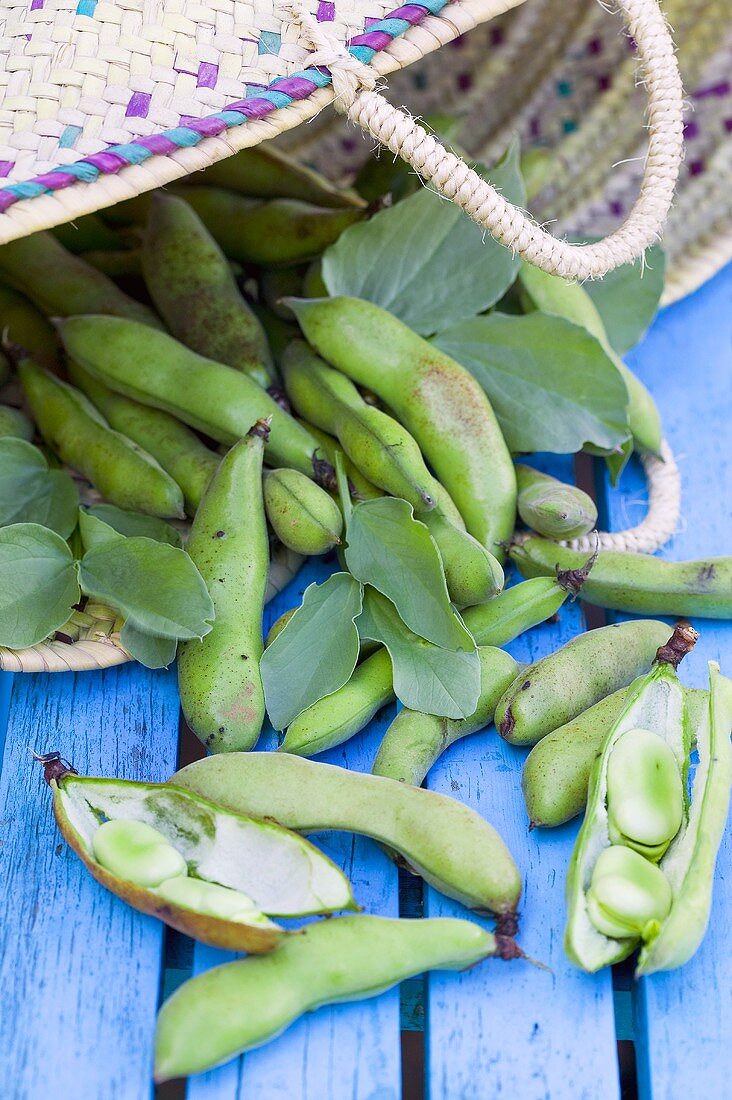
449	845
301	514
346	959
435	398
569	681
414	741
361	487
62	284
551	507
14	422
523	606
124	473
639	583
178	450
155	369
26	326
193	289
220	686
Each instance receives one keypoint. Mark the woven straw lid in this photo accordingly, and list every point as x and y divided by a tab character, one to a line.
142	90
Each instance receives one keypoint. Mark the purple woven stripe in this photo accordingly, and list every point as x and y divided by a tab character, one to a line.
377	40
139	105
411	12
208	74
296	86
157	143
7	198
54	181
105	162
252	108
209	127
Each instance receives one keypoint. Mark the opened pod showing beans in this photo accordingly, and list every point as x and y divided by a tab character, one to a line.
642	870
214	874
448	844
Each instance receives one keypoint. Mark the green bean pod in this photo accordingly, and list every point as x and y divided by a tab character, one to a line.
62	284
118	264
13	422
361	488
639	583
124	473
302	515
551	294
414	741
449	845
195	292
220	686
87	233
199	867
346	959
436	399
556	773
525	605
178	450
551	507
25	325
155	369
264	172
573	678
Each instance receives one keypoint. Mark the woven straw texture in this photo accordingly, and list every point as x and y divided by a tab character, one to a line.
561	74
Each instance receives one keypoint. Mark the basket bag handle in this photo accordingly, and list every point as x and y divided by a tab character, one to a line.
357	97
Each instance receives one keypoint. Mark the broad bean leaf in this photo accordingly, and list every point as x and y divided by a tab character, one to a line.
149	649
155	586
552	386
38	584
316	652
129	524
94	531
627	298
427	677
395	553
424	259
31	493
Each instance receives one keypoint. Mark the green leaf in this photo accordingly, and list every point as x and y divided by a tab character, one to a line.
31	493
149	649
427	677
94	531
135	523
156	586
395	553
424	259
316	652
552	386
627	298
38	584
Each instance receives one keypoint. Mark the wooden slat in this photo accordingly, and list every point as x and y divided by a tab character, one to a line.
79	969
344	1052
683	1019
510	1029
6	683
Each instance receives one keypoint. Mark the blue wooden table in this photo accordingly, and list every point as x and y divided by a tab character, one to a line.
82	975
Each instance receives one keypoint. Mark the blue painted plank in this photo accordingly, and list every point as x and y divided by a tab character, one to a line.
6	683
79	969
683	1019
338	1051
510	1029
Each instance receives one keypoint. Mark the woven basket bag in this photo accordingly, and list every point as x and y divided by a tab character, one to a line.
104	100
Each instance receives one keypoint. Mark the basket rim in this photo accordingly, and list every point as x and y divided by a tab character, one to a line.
121	172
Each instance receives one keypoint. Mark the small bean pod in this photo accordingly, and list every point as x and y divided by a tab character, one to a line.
639	583
178	450
13	422
414	741
220	686
191	283
449	845
124	473
302	515
436	399
551	507
346	959
569	681
525	605
23	323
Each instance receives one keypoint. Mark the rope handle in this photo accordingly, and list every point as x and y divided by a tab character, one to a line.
356	96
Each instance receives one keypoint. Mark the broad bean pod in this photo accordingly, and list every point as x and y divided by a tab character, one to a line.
552	507
61	284
639	583
178	450
193	288
435	398
123	473
154	369
302	515
449	845
142	840
13	422
414	741
346	959
23	323
220	686
569	681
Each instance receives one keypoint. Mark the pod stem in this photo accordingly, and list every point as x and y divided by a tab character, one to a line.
54	768
261	428
681	642
571	580
507	925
